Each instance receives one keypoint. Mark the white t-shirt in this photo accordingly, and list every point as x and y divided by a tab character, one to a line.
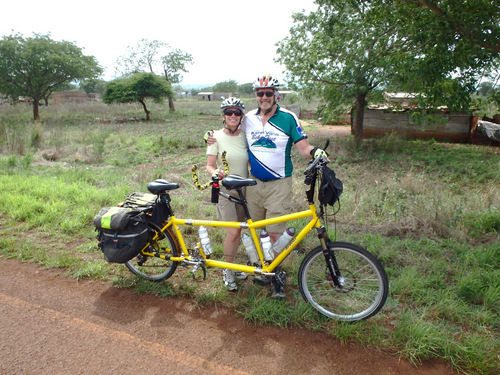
236	152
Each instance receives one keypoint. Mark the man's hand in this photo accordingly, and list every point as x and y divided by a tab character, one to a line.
316	152
209	137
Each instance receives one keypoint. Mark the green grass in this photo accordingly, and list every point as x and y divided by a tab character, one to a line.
429	211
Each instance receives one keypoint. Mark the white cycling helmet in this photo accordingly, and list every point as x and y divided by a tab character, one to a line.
266	82
231	103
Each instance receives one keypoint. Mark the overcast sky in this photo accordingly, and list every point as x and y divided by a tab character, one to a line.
227	39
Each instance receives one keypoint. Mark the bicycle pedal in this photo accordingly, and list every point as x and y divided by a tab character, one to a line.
261	280
281	277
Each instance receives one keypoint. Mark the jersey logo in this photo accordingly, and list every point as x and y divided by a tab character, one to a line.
301	130
264	143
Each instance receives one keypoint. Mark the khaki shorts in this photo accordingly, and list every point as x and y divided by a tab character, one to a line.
269	199
230	211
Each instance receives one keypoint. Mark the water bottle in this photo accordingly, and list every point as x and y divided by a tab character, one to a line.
284	240
253	258
205	241
266	246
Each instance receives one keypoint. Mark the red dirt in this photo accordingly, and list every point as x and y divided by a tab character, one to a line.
56	325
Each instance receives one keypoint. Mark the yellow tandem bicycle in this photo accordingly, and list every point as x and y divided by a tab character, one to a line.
341	280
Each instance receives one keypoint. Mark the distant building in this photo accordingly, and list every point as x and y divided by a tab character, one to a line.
62	97
205	95
401	99
440	125
214	96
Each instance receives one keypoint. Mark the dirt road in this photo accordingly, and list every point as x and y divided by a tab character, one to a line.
51	324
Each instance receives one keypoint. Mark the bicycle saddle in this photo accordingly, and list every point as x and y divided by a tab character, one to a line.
233	181
160	186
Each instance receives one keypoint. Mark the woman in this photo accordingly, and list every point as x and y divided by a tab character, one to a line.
232	140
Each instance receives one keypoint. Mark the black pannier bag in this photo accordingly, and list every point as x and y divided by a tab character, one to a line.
123	232
331	187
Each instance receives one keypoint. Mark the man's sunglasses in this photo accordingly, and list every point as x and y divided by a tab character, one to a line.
230	112
260	94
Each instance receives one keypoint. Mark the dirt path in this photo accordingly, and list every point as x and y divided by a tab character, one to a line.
326	130
55	325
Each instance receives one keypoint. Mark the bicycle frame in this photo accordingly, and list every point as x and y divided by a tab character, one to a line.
175	223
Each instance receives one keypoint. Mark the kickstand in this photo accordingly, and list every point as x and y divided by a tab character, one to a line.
196	267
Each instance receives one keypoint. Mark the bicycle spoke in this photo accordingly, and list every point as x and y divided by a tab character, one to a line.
363	284
155	268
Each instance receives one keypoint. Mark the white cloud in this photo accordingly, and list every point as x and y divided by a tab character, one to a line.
228	39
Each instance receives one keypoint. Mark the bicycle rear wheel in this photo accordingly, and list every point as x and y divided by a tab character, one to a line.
363	282
156	268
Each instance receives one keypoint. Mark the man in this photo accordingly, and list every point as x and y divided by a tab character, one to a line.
271	131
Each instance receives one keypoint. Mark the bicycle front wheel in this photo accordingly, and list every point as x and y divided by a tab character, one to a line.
155	268
363	284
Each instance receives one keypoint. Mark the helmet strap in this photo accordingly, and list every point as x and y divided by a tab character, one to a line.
229	130
267	111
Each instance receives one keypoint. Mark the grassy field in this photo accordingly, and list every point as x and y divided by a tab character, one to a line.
429	211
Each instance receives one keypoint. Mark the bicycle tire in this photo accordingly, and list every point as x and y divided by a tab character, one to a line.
365	283
155	268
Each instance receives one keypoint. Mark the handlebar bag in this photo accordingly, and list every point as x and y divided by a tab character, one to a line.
331	187
122	233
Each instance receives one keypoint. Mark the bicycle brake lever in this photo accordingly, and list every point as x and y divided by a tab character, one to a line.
313	164
320	159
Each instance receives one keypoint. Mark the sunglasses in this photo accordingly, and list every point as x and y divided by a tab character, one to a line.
230	112
260	94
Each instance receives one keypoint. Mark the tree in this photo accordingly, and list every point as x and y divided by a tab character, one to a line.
137	88
484	88
145	57
36	66
93	86
342	52
455	44
347	48
172	64
230	86
246	88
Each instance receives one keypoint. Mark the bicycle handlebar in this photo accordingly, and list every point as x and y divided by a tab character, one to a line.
318	161
210	183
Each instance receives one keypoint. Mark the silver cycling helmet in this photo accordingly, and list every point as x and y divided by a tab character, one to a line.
232	102
266	82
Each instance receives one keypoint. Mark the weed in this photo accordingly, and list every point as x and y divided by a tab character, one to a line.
158	289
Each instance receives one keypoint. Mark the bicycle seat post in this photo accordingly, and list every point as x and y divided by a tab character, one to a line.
243	202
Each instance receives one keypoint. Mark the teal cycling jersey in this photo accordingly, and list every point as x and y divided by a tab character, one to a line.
269	146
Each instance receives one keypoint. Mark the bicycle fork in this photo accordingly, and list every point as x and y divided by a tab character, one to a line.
331	262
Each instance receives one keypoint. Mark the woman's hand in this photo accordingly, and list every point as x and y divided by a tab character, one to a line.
219	173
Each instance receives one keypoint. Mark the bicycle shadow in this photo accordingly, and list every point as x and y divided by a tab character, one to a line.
122	306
